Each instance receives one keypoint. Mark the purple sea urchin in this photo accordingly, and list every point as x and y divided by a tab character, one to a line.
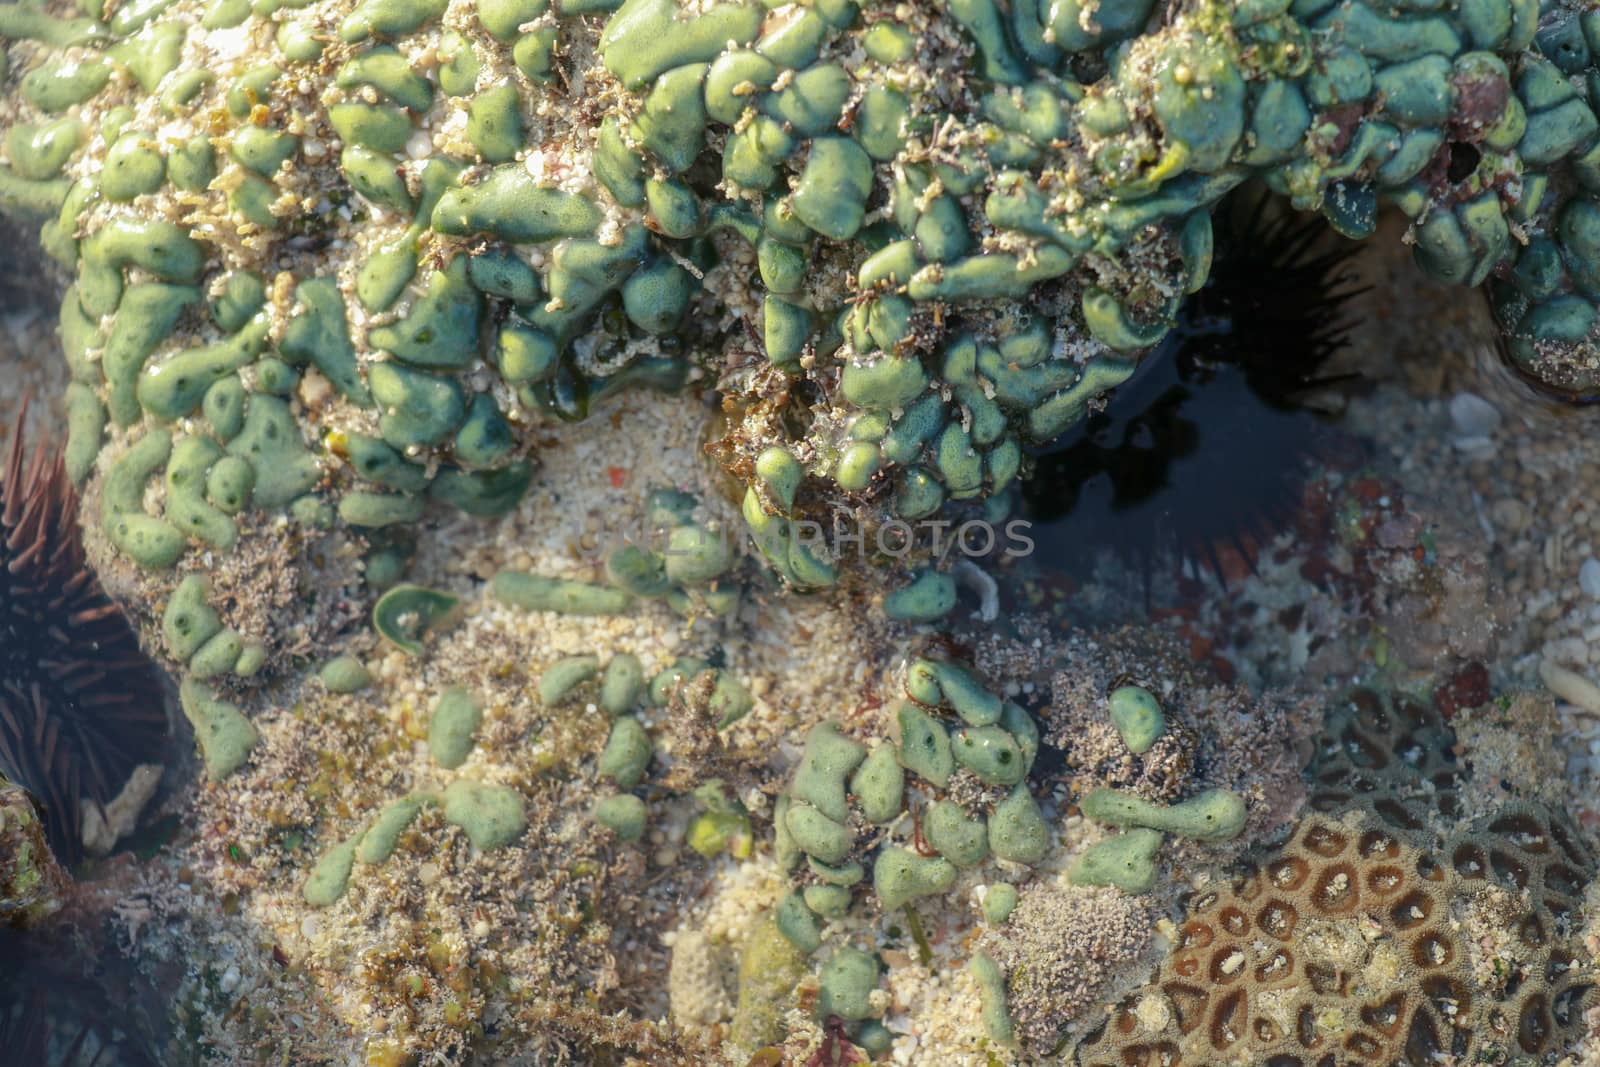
80	704
63	1004
1206	447
25	1036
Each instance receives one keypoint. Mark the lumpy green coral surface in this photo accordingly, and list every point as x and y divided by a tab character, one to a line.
382	319
353	257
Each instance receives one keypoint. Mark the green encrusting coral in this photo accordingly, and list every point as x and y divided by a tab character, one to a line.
1468	120
300	300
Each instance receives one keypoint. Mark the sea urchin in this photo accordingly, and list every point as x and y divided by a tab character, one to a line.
80	704
1205	449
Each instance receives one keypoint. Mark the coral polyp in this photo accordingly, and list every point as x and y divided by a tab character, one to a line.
80	704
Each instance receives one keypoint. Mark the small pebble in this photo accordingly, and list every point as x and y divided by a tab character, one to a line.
1589	577
1473	416
1570	686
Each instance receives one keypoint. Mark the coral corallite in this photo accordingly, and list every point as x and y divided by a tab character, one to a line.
80	705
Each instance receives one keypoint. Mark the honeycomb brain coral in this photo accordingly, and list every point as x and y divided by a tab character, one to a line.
1351	945
1368	938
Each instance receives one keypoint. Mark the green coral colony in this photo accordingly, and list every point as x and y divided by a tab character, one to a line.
943	207
339	274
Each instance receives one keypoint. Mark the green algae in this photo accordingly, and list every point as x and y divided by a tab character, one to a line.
387	70
1126	861
645	38
419	409
623	814
373	175
492	816
485	437
797	923
825	765
962	841
378	841
263	150
955	685
38	151
924	745
224	735
484	494
148	541
827	901
627	752
832	195
722	827
86	420
319	334
1215	815
453	727
344	674
375	461
407	613
330	878
54	87
992	990
229	483
189	625
388	18
218	656
1017	829
178	384
999	902
1137	716
900	876
722	65
771	968
532	592
846	983
666	683
145	317
879	784
269	439
494	123
459	66
622	685
510	206
991	753
375	126
376	510
187	509
562	677
817	835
